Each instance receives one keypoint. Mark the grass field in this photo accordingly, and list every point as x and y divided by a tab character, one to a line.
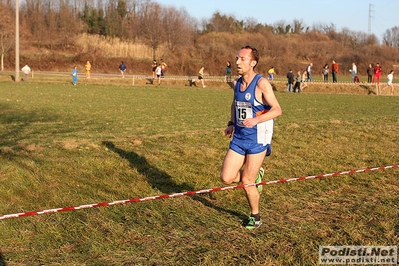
64	145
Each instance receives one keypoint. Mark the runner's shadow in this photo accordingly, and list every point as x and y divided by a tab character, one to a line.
368	88
161	180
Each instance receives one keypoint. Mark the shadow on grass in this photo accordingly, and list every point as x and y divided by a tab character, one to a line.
161	180
2	261
19	135
16	122
368	88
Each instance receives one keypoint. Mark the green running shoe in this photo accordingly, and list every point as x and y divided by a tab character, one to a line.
259	179
252	223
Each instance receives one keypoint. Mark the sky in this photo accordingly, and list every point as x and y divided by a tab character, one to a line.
352	14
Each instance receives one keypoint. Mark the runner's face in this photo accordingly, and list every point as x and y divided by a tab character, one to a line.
244	61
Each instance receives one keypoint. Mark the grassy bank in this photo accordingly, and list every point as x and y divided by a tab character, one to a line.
64	145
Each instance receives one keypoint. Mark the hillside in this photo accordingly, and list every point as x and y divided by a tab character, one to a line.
107	34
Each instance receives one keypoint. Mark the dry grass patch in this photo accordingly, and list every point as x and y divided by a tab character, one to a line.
61	146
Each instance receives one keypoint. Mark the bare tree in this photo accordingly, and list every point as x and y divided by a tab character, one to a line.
221	23
250	24
279	27
372	40
67	20
298	26
360	37
34	13
178	26
50	20
391	37
151	26
6	33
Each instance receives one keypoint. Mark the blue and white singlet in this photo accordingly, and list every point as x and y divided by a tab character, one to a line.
247	106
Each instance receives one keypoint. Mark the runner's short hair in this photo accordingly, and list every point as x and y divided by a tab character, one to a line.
254	53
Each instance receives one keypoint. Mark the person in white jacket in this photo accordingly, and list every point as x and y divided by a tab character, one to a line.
353	71
26	70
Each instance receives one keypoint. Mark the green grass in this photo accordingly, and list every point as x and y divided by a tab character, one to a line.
64	145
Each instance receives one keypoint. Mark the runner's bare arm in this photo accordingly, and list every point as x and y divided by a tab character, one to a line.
265	94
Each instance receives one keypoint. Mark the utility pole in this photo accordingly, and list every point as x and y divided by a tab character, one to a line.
16	41
371	12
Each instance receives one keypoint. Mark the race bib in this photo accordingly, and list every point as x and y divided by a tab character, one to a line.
243	111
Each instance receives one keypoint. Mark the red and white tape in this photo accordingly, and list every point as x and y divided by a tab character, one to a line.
118	202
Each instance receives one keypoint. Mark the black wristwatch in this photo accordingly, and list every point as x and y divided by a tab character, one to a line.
230	123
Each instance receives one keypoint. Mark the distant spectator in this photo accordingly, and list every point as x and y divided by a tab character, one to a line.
158	72
353	70
228	72
74	75
88	69
377	73
26	70
370	73
325	73
334	71
303	80
201	76
122	69
271	73
309	72
389	83
290	80
154	67
297	86
163	67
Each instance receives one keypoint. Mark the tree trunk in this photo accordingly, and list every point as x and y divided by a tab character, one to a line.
2	62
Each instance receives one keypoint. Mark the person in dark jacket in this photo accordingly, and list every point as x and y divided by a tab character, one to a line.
122	69
370	72
297	86
290	77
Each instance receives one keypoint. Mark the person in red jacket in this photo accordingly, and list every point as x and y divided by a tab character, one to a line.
377	75
334	71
